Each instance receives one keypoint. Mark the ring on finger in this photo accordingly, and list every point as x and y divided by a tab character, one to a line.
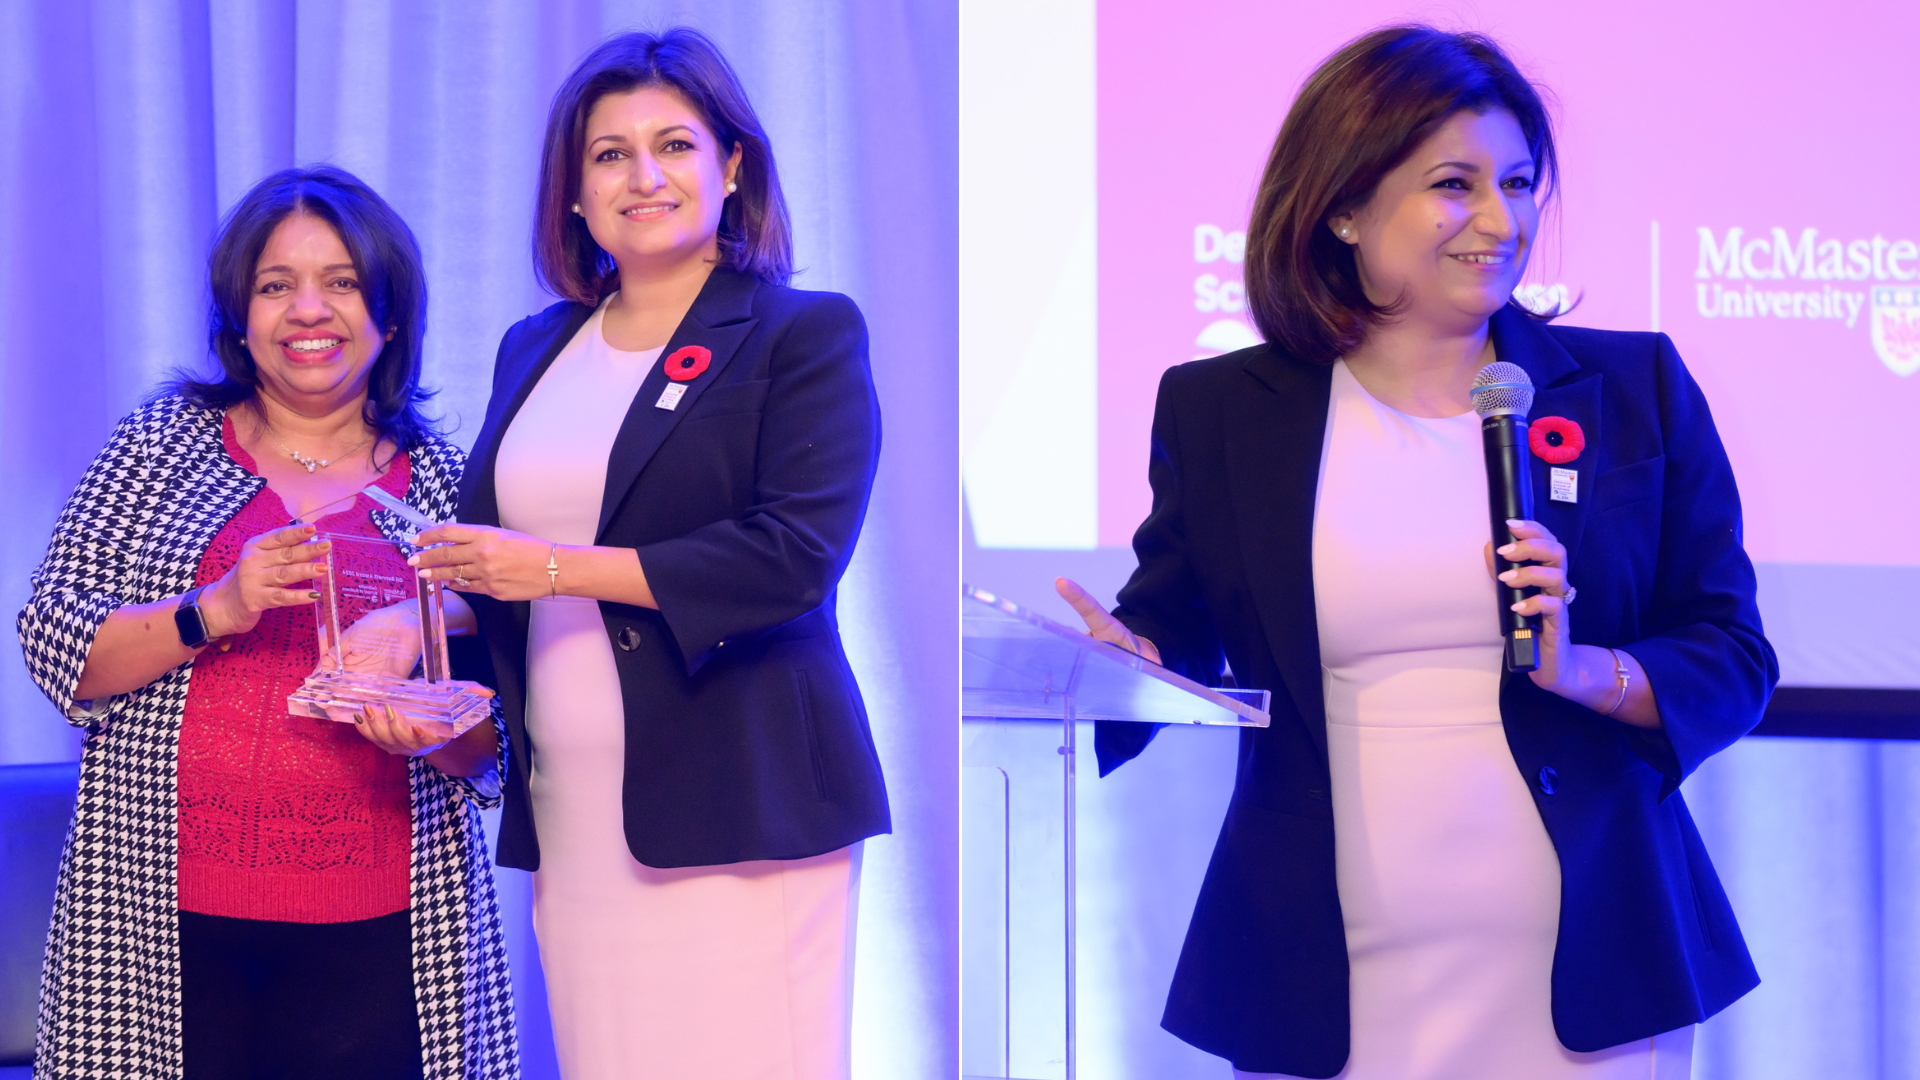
459	578
1567	597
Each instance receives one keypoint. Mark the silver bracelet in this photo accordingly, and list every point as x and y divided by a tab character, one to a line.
553	572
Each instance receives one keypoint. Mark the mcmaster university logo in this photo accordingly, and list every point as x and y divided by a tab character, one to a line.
1896	328
1780	275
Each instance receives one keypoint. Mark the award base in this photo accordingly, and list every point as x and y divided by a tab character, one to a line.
446	708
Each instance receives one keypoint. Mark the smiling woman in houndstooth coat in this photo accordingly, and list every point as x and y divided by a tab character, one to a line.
246	893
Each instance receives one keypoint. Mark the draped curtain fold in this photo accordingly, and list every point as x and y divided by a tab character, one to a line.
128	128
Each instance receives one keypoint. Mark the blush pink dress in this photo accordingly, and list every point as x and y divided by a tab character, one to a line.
737	972
1448	882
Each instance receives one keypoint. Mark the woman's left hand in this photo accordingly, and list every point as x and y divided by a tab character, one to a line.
470	754
1547	571
385	728
500	563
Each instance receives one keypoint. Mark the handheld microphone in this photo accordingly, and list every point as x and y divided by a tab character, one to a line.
1502	395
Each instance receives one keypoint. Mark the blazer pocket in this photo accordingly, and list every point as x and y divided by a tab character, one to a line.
803	697
1629	484
748	396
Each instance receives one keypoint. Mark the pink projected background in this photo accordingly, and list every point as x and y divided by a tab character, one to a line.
1773	145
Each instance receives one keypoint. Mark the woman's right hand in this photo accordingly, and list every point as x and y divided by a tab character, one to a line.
268	564
1101	625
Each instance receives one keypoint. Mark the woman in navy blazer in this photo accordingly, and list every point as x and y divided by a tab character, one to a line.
690	769
1440	171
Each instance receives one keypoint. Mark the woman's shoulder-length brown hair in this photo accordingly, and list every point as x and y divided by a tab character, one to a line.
755	237
1356	119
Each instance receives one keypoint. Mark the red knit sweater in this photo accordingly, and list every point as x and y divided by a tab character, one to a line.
283	817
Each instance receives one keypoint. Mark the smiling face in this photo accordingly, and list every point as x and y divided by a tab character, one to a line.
654	180
312	338
1449	230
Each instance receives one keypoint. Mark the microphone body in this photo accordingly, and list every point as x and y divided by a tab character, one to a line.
1502	395
1510	495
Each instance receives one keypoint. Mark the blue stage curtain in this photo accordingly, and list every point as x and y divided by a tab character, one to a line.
128	128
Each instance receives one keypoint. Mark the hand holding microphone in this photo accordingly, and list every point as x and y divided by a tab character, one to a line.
1530	566
1537	568
1503	394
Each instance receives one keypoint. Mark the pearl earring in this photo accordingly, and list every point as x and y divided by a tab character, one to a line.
576	208
732	187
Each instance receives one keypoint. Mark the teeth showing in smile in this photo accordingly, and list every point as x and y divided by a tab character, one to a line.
314	344
1487	260
647	211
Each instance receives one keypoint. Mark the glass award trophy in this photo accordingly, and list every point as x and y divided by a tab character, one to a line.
367	646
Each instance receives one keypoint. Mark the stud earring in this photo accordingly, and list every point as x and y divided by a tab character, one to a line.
576	208
732	187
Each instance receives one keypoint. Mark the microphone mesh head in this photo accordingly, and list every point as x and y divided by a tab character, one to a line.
1502	389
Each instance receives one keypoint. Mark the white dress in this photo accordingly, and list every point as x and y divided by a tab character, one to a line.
1449	884
737	972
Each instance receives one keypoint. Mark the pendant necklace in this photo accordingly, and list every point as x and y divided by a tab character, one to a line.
313	464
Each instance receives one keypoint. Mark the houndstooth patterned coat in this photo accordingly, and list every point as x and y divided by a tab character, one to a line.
133	532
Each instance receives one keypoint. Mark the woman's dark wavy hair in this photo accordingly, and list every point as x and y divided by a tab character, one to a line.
1358	117
386	260
755	237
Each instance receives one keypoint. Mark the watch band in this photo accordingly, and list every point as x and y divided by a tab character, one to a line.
187	620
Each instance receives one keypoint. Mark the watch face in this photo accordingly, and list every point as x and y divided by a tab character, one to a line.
187	620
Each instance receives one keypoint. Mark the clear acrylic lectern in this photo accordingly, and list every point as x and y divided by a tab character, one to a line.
1019	667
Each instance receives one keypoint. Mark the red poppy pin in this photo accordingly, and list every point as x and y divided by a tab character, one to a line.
687	362
1556	440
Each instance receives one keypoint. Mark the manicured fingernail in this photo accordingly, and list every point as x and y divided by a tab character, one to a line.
1516	607
413	560
313	594
1505	549
1516	521
1509	575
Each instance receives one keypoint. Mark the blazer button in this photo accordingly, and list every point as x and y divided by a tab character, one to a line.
1549	780
628	638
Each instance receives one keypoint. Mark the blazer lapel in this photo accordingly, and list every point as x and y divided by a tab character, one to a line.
1562	388
529	360
1274	436
720	320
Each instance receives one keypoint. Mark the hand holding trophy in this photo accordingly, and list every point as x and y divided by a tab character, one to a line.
375	627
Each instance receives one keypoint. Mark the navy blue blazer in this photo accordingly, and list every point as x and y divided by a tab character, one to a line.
746	737
1647	941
